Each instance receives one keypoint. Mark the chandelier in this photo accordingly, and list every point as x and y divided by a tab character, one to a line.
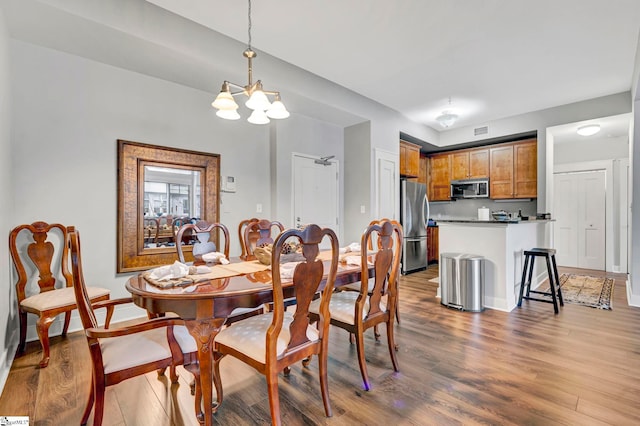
447	118
258	101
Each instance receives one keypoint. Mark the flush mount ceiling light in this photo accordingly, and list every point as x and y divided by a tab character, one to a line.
258	101
447	118
588	130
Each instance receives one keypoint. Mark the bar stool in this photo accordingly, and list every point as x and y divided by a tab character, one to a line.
552	271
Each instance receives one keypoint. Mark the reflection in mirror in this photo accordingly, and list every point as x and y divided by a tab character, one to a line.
171	199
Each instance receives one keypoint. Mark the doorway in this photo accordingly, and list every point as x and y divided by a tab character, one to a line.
315	192
580	200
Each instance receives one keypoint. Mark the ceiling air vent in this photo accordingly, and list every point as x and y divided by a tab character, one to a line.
480	130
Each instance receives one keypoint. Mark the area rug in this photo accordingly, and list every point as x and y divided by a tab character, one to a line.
585	290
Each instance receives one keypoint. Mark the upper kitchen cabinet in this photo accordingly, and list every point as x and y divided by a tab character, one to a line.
440	177
526	169
513	170
409	159
423	171
501	173
470	164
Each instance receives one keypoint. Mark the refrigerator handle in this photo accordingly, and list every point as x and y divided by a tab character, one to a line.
425	211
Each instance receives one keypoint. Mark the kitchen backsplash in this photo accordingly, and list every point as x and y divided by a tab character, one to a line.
468	208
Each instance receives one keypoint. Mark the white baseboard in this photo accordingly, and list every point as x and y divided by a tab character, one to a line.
632	299
7	357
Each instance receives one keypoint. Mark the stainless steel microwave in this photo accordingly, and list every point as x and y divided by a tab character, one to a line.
470	188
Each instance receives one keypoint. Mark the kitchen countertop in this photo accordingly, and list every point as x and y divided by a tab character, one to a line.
492	221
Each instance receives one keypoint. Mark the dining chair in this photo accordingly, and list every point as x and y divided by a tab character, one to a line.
121	353
151	230
200	234
259	233
372	305
272	342
45	285
356	286
202	231
241	227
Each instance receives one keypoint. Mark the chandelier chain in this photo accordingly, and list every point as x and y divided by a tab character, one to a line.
249	27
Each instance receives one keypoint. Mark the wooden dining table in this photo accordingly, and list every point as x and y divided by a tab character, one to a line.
205	304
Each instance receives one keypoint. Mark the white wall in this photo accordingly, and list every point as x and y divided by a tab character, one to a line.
633	289
591	150
8	331
357	172
303	135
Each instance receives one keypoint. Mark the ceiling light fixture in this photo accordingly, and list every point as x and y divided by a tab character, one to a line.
588	130
447	118
258	101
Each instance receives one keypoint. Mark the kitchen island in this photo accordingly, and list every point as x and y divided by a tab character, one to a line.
502	244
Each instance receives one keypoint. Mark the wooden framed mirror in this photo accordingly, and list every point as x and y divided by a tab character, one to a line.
160	188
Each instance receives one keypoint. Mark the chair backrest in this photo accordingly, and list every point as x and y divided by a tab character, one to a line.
151	229
87	316
307	281
378	221
241	227
44	259
259	233
203	232
386	264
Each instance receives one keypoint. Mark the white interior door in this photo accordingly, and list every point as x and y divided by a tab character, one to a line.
591	220
579	200
386	185
566	231
315	192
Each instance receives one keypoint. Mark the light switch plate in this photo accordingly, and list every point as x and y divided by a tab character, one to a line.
258	208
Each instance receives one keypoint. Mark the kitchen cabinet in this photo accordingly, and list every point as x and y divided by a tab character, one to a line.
525	179
440	177
501	172
409	159
423	170
514	170
470	164
433	254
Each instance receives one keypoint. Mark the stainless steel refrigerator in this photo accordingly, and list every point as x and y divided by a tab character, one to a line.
414	214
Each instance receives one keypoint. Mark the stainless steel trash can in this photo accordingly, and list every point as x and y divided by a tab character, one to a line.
462	283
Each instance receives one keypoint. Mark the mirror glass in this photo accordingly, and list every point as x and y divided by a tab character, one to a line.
159	190
171	199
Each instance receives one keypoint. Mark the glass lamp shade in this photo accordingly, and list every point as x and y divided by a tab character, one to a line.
588	130
224	101
228	114
258	117
277	111
258	101
446	119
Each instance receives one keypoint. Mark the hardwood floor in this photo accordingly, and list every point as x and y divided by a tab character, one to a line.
529	366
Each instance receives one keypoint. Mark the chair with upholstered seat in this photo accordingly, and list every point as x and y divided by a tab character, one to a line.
259	233
121	353
376	304
356	286
241	227
272	342
203	232
45	284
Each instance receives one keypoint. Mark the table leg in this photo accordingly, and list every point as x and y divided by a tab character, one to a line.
204	331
